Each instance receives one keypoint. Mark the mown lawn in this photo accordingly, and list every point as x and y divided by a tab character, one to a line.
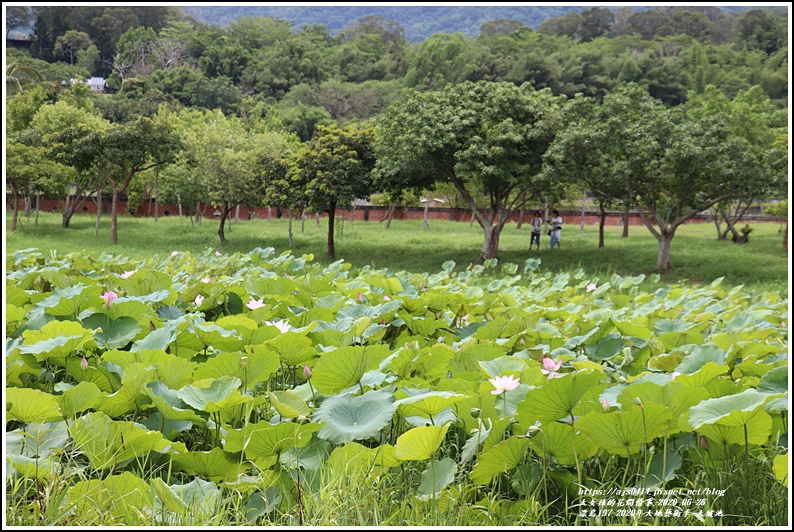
697	257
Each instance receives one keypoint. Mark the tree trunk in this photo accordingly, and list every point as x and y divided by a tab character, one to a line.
491	245
331	216
626	221
237	214
290	229
179	203
424	217
601	223
38	209
16	212
98	212
581	227
318	220
269	216
198	212
27	213
156	187
114	221
471	224
224	212
663	258
390	215
303	220
521	211
353	213
68	211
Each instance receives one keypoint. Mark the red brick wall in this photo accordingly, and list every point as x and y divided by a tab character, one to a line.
371	213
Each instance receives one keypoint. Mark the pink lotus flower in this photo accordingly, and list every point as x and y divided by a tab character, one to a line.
281	325
218	253
550	368
386	298
109	296
84	364
199	300
605	404
254	304
127	275
591	287
206	280
360	298
307	372
674	374
503	384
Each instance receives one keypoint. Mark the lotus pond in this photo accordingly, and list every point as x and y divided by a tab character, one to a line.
260	389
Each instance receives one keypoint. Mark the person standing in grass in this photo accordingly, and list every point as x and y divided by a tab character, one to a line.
556	225
537	222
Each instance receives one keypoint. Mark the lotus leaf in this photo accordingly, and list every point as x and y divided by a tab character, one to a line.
216	465
558	397
780	468
265	440
623	432
427	404
553	441
419	443
260	364
56	339
113	333
38	439
119	497
29	405
84	396
501	458
349	418
661	470
343	367
107	443
72	300
674	395
438	475
293	349
210	395
732	410
288	405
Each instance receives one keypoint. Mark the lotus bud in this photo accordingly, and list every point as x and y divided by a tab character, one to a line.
244	360
475	412
704	443
307	372
605	404
84	364
638	402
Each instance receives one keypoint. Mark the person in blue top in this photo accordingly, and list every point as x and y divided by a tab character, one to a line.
556	225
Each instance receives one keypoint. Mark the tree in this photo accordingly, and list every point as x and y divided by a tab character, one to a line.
20	76
575	156
118	153
68	44
333	170
17	17
52	119
483	138
675	165
754	119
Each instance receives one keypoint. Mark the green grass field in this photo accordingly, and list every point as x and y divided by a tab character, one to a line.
697	257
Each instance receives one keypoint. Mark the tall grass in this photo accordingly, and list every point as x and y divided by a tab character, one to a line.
696	256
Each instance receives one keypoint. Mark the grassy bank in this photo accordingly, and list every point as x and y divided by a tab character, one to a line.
696	256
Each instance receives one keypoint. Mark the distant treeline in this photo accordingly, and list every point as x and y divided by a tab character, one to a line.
313	75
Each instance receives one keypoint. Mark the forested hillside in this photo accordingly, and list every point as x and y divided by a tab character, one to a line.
419	22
